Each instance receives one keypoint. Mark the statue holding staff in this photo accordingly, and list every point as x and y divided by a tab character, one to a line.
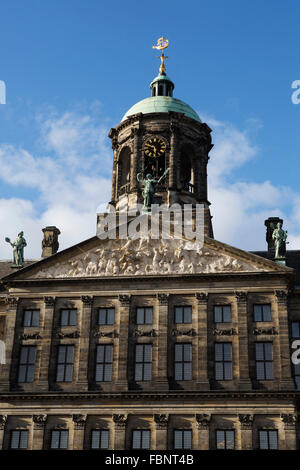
279	236
18	250
149	187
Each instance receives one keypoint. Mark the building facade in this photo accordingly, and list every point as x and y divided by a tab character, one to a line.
151	343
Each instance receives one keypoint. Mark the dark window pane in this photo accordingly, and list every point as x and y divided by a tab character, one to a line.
145	439
230	440
55	440
269	371
140	316
23	439
295	329
178	315
273	440
218	314
227	371
226	314
263	439
220	439
27	318
266	312
95	444
64	439
227	351
187	314
257	313
219	352
110	316
148	315
64	318
136	439
268	351
73	318
35	318
259	351
106	316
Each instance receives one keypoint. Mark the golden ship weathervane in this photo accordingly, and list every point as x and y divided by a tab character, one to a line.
162	43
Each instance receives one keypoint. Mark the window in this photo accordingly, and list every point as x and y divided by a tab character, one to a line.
59	439
268	439
222	313
295	329
141	439
65	363
31	318
27	364
225	439
223	361
183	314
100	439
264	361
104	362
262	312
182	439
144	316
106	316
183	361
143	362
68	317
19	439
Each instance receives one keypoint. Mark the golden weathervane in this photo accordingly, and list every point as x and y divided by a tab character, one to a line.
162	43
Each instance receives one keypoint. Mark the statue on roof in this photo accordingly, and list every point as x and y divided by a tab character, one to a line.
18	250
279	236
149	188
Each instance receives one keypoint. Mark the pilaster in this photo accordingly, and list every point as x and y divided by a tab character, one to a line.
243	355
39	423
43	384
161	382
246	426
9	337
202	371
87	304
120	422
161	432
124	309
203	422
3	419
79	428
286	380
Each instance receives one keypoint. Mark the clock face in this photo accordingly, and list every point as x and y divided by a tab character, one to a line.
154	147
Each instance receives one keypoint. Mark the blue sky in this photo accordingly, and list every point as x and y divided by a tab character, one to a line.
72	68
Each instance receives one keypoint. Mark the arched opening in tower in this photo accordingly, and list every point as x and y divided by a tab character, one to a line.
187	174
124	167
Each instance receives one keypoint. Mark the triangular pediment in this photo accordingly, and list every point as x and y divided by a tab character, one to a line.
147	257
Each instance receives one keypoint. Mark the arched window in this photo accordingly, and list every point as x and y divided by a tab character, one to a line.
124	166
187	168
160	90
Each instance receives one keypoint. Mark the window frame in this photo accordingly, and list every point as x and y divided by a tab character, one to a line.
190	431
100	431
59	431
144	315
106	316
262	313
28	365
104	364
32	311
183	307
268	438
225	430
222	313
223	361
183	362
148	431
65	364
69	310
264	361
143	362
20	431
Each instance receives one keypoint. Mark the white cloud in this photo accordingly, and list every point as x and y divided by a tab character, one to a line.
69	183
70	179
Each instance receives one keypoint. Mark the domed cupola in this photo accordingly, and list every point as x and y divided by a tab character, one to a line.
164	137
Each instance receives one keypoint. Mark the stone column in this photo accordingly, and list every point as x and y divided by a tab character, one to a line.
161	433
243	338
9	336
120	431
286	380
43	384
203	421
79	427
39	422
202	372
124	308
87	303
290	421
173	160
161	382
135	133
115	173
3	419
246	423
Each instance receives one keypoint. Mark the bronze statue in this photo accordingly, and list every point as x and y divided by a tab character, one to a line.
18	250
149	187
279	236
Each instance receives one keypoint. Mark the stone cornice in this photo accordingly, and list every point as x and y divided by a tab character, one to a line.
155	396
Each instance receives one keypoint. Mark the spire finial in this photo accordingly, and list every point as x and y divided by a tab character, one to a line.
162	43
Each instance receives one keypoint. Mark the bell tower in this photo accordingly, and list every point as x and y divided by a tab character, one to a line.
159	133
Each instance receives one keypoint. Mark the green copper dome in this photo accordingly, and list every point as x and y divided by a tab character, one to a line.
162	104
